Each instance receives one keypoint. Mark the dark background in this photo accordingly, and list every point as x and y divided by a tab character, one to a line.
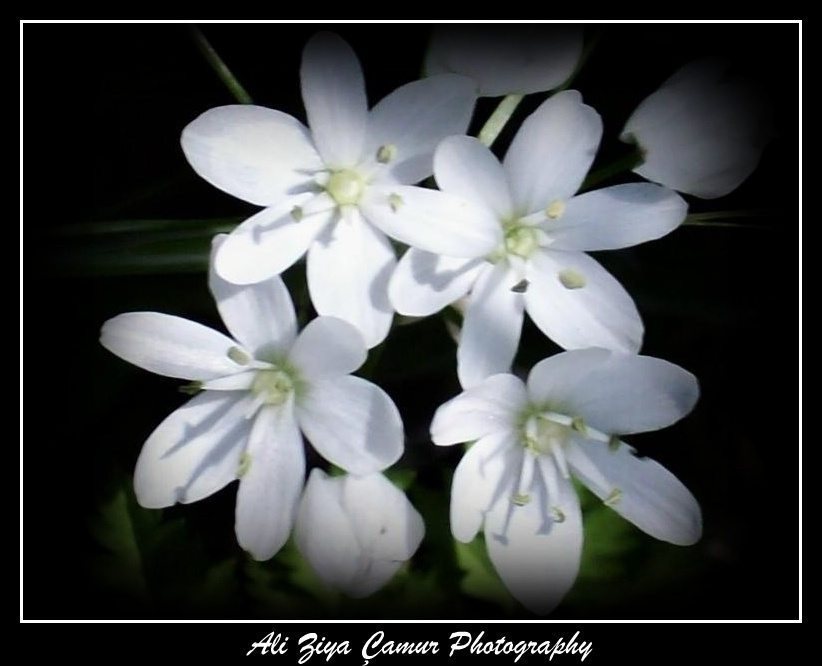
103	108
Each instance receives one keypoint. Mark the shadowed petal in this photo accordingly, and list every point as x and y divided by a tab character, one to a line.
552	152
615	393
169	345
536	555
260	316
578	304
256	154
351	423
334	97
413	119
492	406
348	270
271	485
424	283
492	326
640	490
194	452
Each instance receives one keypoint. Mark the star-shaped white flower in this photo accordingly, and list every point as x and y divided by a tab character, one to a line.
260	389
515	481
540	266
335	190
701	133
356	532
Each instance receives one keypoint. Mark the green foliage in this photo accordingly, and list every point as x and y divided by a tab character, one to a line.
481	580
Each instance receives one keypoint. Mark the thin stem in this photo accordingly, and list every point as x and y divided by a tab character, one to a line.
220	68
703	220
501	115
727	214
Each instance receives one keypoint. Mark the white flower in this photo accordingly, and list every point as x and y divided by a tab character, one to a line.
506	60
514	482
335	190
700	133
539	266
356	532
260	389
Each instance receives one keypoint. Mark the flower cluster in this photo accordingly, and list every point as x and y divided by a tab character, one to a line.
496	239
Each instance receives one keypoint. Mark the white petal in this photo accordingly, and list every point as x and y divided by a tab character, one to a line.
478	480
334	97
492	406
424	283
701	134
598	313
242	381
507	60
616	217
169	345
640	490
615	393
387	526
324	534
270	241
465	167
327	347
415	118
372	577
194	452
536	557
432	220
552	151
491	328
256	154
260	316
348	270
271	485
351	423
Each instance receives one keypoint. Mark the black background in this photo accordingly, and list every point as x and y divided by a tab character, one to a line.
103	107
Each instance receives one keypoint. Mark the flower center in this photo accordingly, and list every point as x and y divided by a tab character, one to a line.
272	386
345	187
521	240
543	436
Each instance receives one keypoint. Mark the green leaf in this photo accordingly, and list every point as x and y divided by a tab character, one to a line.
134	247
481	580
220	584
115	528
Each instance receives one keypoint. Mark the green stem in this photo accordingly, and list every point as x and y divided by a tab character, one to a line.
727	214
719	219
501	115
220	68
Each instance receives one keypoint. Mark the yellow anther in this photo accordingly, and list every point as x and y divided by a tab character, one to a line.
386	153
244	466
395	201
239	356
520	500
614	497
572	279
555	209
